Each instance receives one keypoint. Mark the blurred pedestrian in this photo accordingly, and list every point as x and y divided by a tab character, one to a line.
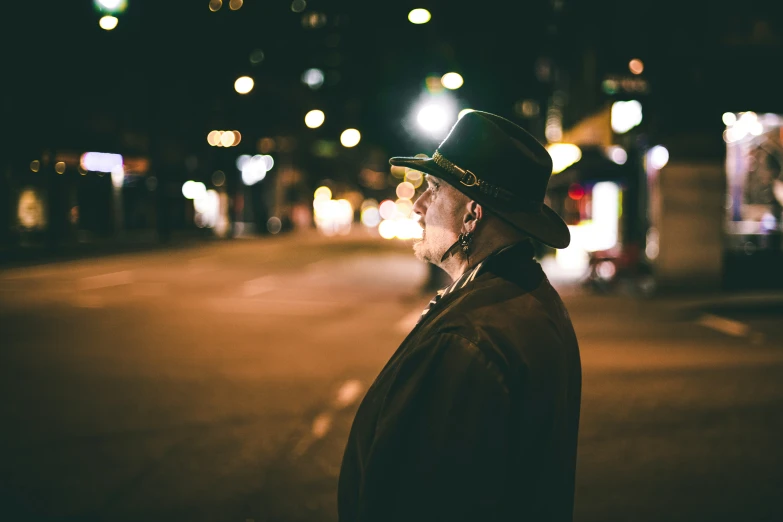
475	417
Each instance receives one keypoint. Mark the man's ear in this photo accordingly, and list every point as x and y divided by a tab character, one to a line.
474	214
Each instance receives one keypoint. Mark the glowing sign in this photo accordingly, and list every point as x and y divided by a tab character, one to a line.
100	161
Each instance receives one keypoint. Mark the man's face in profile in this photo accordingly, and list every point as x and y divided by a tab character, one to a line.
440	217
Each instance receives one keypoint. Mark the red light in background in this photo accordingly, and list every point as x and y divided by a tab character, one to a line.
576	192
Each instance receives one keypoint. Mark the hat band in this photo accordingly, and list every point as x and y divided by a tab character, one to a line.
469	179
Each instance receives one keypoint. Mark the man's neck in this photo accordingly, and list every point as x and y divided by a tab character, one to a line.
457	264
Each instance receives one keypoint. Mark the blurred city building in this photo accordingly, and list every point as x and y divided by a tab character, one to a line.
638	102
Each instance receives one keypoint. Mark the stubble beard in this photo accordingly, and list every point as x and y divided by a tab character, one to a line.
426	249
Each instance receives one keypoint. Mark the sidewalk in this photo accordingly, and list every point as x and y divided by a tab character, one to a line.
17	255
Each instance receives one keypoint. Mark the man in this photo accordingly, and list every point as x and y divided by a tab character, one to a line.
475	416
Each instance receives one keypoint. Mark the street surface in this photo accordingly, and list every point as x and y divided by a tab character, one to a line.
218	383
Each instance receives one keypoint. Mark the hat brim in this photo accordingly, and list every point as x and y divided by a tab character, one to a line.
545	225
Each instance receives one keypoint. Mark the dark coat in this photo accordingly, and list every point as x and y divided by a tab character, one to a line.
475	416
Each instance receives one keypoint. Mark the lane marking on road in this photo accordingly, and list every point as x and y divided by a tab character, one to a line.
347	394
258	286
724	325
407	323
106	280
320	426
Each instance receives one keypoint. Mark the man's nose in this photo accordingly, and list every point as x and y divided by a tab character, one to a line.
420	206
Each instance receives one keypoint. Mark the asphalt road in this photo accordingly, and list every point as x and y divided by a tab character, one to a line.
218	383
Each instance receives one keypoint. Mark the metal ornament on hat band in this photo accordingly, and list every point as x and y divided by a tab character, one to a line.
469	179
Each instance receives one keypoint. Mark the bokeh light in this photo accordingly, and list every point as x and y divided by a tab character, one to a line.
387	229
387	209
452	80
218	178
322	193
194	189
414	177
405	190
59	167
625	115
215	5
419	16
108	22
434	118
658	157
350	138
274	225
729	118
298	6
636	66
227	139
213	138
117	176
371	217
244	84
617	154
314	119
35	165
257	56
313	78
563	156
113	6
235	4
404	207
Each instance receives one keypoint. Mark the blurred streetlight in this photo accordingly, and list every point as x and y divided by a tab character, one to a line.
452	80
235	4
111	6
350	138
626	115
215	5
658	157
617	154
436	114
244	84
419	16
636	66
729	118
563	156
314	119
194	189
313	78
108	22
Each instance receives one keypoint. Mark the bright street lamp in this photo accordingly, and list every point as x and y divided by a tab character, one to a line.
436	114
111	6
108	22
452	80
244	84
350	138
419	16
314	119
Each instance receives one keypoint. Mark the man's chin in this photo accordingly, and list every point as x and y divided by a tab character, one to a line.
420	250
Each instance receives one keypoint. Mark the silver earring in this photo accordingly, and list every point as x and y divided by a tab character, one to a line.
465	240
